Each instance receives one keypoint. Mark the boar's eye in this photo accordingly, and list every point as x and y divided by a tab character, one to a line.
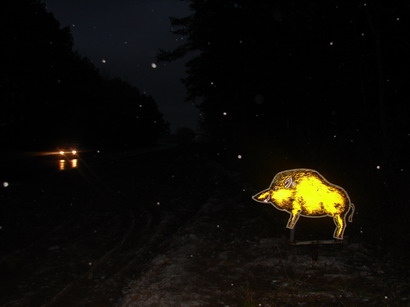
288	182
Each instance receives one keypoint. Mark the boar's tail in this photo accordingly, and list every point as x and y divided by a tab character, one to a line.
352	208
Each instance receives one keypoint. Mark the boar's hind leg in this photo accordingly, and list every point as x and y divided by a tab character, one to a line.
340	227
294	217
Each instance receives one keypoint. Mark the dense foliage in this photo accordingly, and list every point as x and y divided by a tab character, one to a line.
305	84
51	95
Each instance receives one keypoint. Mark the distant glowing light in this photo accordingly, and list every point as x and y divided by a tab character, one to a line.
153	65
224	113
378	166
5	184
331	43
61	165
239	157
74	152
61	152
305	192
362	34
398	18
74	163
103	61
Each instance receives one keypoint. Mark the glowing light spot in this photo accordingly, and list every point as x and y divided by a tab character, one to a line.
362	34
331	43
158	203
224	113
239	157
305	192
103	61
398	18
153	65
378	167
61	165
5	184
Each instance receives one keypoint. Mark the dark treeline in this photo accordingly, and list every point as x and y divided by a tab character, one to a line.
50	95
320	83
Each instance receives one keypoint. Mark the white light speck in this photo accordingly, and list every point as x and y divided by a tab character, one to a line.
243	190
402	170
398	18
217	226
331	43
126	43
192	256
1	227
362	34
224	113
232	284
335	136
212	83
239	157
90	263
388	80
98	151
241	41
140	105
103	61
364	4
153	65
378	167
158	203
5	184
386	297
73	25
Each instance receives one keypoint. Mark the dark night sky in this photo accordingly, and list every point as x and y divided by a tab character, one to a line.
122	39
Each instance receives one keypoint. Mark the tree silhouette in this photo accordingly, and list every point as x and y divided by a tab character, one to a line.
50	94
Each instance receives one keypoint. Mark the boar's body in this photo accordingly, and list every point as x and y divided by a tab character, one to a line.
304	192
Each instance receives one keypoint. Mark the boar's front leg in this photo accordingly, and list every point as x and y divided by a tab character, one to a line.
294	217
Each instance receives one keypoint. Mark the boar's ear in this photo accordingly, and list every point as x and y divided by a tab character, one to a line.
263	196
288	182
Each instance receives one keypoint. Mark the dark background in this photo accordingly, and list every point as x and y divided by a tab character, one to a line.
278	85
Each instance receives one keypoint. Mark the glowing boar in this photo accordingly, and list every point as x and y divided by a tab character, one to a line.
304	192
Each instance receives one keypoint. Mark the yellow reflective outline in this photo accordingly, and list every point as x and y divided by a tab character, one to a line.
305	192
